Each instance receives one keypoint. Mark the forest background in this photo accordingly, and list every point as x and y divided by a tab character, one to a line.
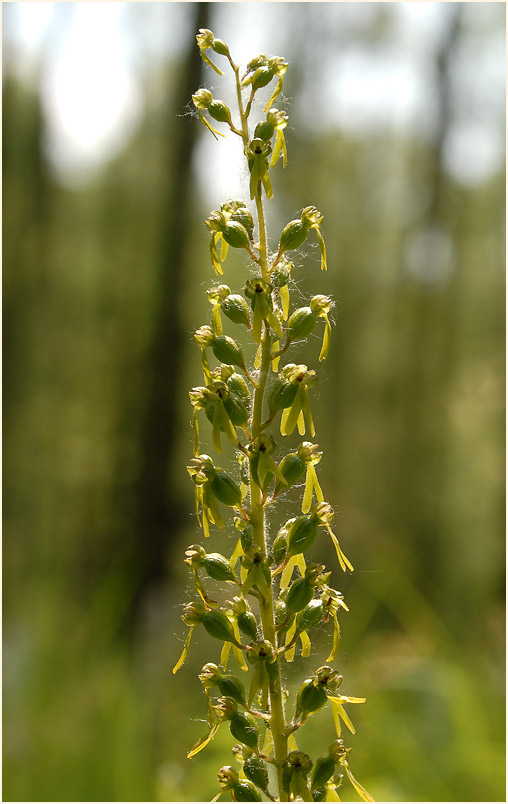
397	134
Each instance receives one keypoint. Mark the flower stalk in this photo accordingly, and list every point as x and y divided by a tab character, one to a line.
279	597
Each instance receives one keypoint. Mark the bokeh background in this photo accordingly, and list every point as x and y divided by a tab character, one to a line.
397	135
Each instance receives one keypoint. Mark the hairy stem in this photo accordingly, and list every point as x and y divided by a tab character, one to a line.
277	719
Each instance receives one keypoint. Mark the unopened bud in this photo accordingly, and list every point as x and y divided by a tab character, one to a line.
227	350
236	309
256	771
322	772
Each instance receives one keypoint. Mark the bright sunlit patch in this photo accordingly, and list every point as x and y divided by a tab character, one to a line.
92	97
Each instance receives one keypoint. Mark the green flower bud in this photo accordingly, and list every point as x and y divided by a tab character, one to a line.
293	235
322	772
248	625
244	728
301	534
236	235
282	394
238	386
256	771
301	590
236	410
310	616
227	351
261	77
225	489
236	309
218	626
299	594
301	323
279	547
319	794
310	699
246	620
243	215
232	687
218	567
220	47
219	111
292	467
245	791
264	130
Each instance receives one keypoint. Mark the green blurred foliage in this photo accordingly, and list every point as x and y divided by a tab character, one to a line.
409	412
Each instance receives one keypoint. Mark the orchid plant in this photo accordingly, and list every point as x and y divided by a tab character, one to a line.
278	596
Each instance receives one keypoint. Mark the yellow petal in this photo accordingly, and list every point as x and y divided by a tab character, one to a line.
307	494
343	560
306	644
200	744
237	552
257	359
325	348
331	793
276	360
290	654
308	414
336	638
356	784
284	297
237	652
224	655
185	651
287	573
340	712
216	319
283	421
322	247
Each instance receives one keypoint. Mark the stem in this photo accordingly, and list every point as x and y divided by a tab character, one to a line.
243	116
263	253
277	720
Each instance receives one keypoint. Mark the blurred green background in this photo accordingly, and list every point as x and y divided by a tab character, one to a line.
397	135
